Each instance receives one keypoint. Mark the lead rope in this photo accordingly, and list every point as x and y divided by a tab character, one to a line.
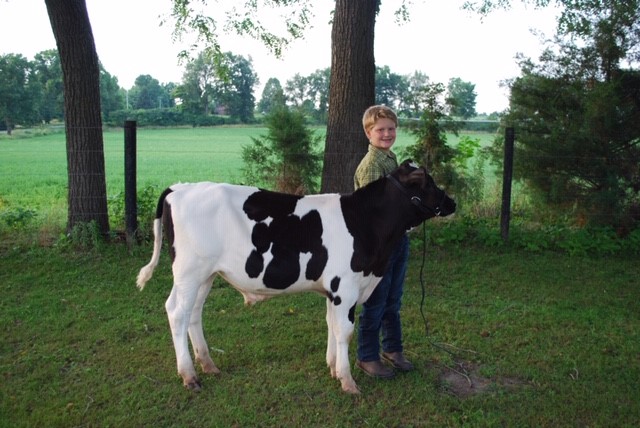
424	259
455	355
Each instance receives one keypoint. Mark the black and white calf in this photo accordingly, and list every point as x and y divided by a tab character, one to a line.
266	244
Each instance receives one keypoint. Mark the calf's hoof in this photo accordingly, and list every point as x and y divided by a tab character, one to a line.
334	373
350	387
193	385
209	367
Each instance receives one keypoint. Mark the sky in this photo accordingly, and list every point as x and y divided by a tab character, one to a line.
441	40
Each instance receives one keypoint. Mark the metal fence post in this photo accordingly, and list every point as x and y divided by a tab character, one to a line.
130	193
507	177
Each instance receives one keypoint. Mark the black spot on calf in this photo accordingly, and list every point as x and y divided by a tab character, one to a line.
260	237
264	203
254	264
335	284
287	235
352	314
311	242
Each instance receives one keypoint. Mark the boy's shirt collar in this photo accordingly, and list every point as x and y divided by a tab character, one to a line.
382	153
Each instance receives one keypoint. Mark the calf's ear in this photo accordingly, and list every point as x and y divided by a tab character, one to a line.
409	163
417	176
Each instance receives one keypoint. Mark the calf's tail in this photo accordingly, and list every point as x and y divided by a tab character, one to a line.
146	272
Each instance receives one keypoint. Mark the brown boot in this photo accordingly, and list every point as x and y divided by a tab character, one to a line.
397	360
375	369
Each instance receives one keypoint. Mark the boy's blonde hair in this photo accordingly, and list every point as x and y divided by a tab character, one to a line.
373	113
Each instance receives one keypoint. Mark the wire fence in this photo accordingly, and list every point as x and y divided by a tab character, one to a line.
34	174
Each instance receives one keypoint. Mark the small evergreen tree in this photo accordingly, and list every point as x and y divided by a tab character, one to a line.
430	148
448	165
287	158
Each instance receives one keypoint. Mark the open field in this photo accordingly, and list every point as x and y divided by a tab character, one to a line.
536	340
33	170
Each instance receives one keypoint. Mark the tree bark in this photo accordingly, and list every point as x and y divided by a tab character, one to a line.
87	193
351	91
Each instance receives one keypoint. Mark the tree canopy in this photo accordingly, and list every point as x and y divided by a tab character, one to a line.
461	98
18	90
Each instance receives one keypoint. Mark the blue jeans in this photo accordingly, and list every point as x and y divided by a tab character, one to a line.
382	311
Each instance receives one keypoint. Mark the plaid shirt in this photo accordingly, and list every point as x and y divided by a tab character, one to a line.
375	164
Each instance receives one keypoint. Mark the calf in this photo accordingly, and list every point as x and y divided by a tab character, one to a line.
266	244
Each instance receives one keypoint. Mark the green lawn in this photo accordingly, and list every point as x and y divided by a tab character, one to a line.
542	340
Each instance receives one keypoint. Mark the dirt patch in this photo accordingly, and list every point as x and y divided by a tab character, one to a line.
464	380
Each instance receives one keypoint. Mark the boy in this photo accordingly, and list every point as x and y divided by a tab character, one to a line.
381	312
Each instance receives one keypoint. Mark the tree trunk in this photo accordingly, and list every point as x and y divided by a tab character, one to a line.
87	194
351	91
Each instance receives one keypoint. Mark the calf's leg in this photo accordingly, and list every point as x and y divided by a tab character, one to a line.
342	327
196	334
331	341
179	306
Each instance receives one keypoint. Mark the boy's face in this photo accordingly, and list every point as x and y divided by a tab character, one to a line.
383	134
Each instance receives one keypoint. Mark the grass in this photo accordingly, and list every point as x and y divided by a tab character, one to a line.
33	170
552	340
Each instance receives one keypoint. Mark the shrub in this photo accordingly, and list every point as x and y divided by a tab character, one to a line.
287	158
146	209
83	237
18	218
589	241
165	117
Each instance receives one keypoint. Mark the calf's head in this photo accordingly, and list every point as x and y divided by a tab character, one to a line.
421	191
